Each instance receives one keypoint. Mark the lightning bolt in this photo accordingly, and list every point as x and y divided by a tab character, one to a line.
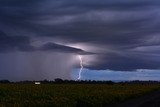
81	65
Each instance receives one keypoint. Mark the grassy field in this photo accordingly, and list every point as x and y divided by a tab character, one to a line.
68	95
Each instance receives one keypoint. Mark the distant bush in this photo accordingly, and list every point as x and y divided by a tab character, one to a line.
58	80
5	81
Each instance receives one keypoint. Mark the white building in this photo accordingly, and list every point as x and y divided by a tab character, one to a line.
37	83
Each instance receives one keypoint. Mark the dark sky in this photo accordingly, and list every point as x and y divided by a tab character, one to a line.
40	39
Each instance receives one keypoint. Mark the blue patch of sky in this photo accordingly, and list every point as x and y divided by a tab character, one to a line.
141	74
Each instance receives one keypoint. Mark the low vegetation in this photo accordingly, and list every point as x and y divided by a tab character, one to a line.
69	95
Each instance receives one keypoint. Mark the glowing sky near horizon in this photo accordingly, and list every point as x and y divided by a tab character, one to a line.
107	75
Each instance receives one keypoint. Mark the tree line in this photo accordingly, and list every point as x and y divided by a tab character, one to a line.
61	81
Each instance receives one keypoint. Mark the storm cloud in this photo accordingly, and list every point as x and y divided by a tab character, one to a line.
117	35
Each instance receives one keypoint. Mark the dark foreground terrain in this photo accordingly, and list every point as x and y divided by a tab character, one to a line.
148	100
79	95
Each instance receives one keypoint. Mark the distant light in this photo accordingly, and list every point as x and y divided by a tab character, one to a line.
37	83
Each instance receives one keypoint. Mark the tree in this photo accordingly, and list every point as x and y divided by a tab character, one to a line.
58	80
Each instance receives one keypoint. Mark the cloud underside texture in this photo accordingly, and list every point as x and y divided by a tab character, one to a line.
127	31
